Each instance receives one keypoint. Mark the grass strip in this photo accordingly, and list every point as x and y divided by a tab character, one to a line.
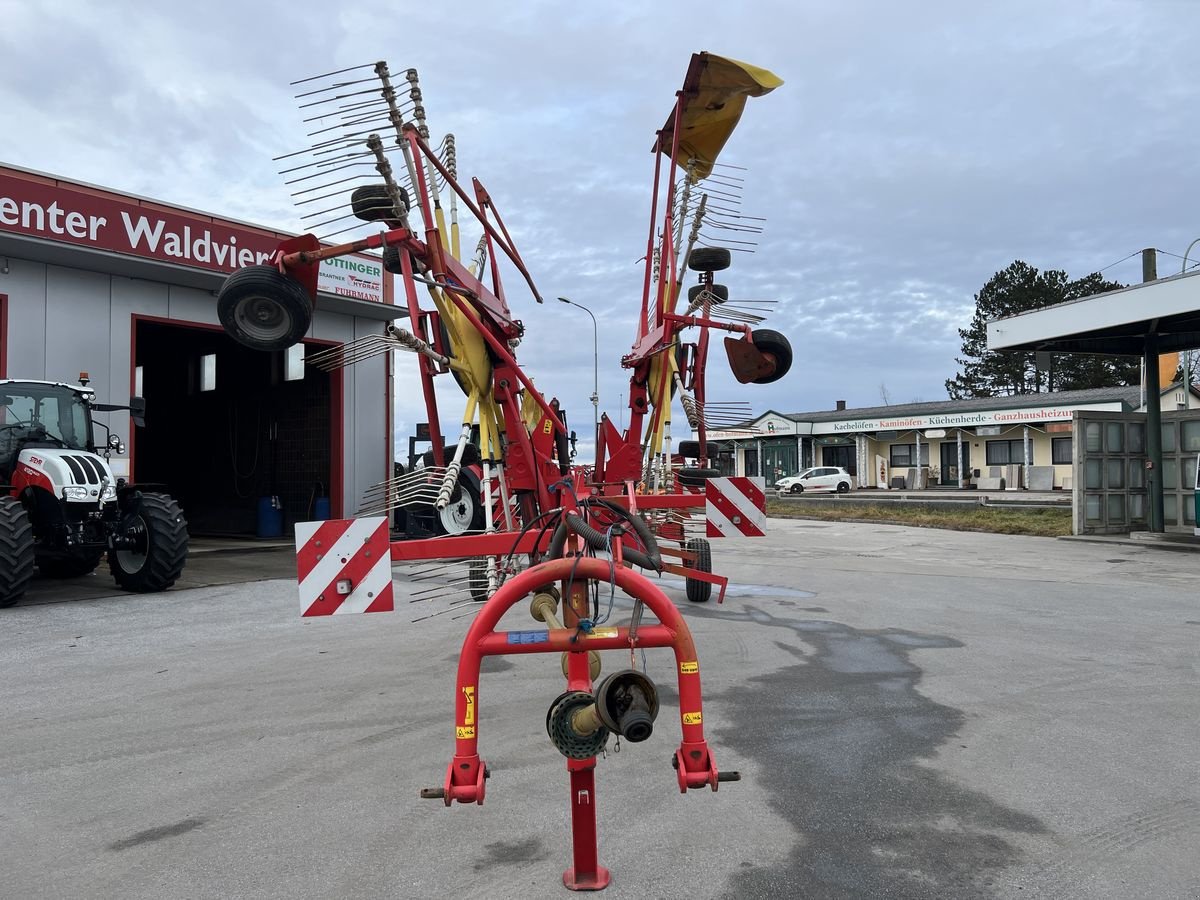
1036	522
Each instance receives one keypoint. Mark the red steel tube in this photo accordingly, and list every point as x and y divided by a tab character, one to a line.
465	775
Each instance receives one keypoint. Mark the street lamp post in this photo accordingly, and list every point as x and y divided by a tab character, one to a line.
595	365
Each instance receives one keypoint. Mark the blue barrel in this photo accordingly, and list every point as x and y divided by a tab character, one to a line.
270	517
321	509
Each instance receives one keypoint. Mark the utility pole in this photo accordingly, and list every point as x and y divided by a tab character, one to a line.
1154	485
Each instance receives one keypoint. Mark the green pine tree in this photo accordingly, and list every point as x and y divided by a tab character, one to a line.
1021	288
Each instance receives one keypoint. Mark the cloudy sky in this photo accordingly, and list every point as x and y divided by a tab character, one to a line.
914	149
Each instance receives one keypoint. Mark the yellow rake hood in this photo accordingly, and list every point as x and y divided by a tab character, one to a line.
716	90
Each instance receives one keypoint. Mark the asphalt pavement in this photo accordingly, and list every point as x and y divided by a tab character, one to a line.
916	713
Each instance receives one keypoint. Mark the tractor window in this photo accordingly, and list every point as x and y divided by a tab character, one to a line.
26	409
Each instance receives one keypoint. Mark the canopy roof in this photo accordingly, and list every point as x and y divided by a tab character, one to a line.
1117	322
715	91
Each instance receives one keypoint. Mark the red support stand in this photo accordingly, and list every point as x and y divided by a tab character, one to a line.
585	873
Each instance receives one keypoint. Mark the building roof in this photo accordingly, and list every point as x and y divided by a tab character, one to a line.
1129	396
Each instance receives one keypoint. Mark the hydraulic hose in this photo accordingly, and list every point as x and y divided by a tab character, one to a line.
598	540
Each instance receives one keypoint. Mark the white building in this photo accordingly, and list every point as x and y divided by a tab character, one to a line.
123	288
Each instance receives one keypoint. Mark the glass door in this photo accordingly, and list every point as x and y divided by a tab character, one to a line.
950	465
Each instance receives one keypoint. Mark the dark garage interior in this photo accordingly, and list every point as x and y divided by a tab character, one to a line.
227	434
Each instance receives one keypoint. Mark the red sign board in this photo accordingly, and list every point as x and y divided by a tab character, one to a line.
54	211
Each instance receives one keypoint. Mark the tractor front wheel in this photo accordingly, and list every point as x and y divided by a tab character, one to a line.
158	557
16	551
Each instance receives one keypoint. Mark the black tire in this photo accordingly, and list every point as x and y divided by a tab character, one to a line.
16	551
156	566
464	513
843	487
477	579
471	455
373	203
699	591
69	566
695	476
263	309
776	345
720	293
796	489
391	260
689	449
709	259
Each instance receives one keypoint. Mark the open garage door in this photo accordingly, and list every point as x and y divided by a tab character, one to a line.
228	428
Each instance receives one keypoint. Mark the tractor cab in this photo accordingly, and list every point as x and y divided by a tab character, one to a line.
42	414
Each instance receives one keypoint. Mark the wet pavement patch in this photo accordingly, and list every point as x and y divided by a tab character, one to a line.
151	835
511	853
840	738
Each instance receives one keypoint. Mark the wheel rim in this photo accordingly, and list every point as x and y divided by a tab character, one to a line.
262	318
132	561
796	489
459	513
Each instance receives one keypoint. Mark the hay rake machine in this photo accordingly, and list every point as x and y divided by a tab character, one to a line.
503	495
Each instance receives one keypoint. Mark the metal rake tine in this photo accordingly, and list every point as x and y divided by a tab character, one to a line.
330	171
338	72
734	214
323	164
345	108
338	97
315	226
723	241
344	140
337	85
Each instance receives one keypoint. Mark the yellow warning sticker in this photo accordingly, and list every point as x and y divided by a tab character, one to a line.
603	633
692	718
548	427
689	668
464	731
469	715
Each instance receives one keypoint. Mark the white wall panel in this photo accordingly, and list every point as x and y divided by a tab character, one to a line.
25	285
78	331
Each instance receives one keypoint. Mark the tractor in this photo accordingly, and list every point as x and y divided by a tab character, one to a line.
61	507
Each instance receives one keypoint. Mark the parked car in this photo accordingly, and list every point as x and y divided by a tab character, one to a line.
821	478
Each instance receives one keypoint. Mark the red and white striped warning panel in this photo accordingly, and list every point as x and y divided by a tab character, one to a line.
344	566
735	507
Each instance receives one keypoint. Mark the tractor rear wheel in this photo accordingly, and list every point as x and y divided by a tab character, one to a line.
161	553
69	566
16	551
699	591
263	309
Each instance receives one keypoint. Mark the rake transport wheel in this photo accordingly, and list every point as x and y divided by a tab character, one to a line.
719	292
775	345
16	551
699	591
69	566
373	203
157	559
695	476
709	259
263	309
